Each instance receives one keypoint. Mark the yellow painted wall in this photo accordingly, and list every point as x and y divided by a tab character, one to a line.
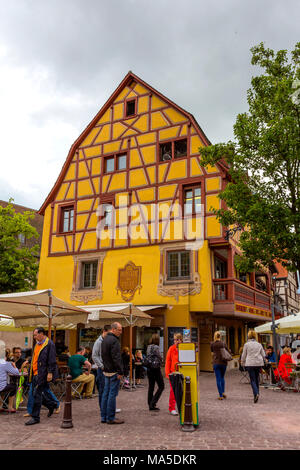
138	137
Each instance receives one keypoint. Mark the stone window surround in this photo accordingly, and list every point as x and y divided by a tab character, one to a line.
83	294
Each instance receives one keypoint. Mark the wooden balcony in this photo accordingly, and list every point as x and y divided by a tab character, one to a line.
234	298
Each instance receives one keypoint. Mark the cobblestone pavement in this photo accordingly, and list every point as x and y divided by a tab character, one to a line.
235	423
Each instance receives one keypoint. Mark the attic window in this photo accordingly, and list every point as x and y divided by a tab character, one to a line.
173	149
130	108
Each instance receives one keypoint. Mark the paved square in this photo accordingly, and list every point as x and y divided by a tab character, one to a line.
234	423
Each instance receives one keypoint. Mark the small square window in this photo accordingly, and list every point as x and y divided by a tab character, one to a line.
121	162
180	148
130	108
109	165
115	163
108	213
173	149
89	274
192	200
21	238
67	219
178	265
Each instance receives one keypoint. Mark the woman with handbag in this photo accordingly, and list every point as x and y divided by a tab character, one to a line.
253	358
219	352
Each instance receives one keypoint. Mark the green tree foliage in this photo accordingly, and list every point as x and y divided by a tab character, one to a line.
263	162
18	264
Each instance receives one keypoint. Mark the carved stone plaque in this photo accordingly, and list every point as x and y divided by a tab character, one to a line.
129	280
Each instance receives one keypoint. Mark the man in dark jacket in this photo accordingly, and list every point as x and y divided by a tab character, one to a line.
113	371
43	370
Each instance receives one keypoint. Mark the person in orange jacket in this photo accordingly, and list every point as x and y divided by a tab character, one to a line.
171	366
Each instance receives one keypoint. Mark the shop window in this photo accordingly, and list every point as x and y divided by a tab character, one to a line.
178	265
172	150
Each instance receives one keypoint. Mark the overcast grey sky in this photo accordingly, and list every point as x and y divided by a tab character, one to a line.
60	60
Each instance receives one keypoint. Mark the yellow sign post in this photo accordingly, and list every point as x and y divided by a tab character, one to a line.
187	366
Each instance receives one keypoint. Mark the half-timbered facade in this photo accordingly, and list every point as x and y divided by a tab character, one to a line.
130	220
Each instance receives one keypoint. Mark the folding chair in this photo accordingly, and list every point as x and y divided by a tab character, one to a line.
4	400
281	382
75	390
264	377
245	376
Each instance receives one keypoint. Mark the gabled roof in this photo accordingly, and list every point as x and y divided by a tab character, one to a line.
127	79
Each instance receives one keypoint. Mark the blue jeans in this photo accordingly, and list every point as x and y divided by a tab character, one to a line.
108	402
220	370
100	381
254	378
47	391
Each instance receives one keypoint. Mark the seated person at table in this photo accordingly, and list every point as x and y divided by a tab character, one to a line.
17	358
19	362
270	355
76	363
138	363
284	370
8	368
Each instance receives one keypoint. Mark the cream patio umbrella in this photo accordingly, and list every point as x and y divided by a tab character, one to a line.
126	314
40	308
284	325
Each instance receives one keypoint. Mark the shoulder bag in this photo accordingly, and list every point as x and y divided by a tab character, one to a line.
225	355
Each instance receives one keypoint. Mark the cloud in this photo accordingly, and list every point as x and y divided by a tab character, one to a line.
60	62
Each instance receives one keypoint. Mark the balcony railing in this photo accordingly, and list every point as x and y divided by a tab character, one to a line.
232	290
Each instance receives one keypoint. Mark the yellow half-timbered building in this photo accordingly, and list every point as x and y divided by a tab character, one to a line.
130	219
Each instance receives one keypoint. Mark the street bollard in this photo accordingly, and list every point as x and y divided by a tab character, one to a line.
188	425
67	418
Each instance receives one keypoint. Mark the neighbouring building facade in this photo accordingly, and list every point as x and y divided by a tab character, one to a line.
130	219
10	336
286	287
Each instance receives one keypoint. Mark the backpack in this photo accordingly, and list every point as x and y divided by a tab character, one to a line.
152	361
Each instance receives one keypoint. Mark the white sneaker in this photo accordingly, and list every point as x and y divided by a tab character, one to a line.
118	410
174	413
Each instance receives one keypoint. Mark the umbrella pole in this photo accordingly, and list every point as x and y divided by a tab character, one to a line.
50	313
130	347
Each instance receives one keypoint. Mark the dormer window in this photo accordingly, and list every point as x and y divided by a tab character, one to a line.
172	150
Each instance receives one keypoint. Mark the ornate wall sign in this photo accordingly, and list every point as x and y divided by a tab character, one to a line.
129	280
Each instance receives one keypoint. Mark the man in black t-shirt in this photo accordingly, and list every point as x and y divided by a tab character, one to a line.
17	357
